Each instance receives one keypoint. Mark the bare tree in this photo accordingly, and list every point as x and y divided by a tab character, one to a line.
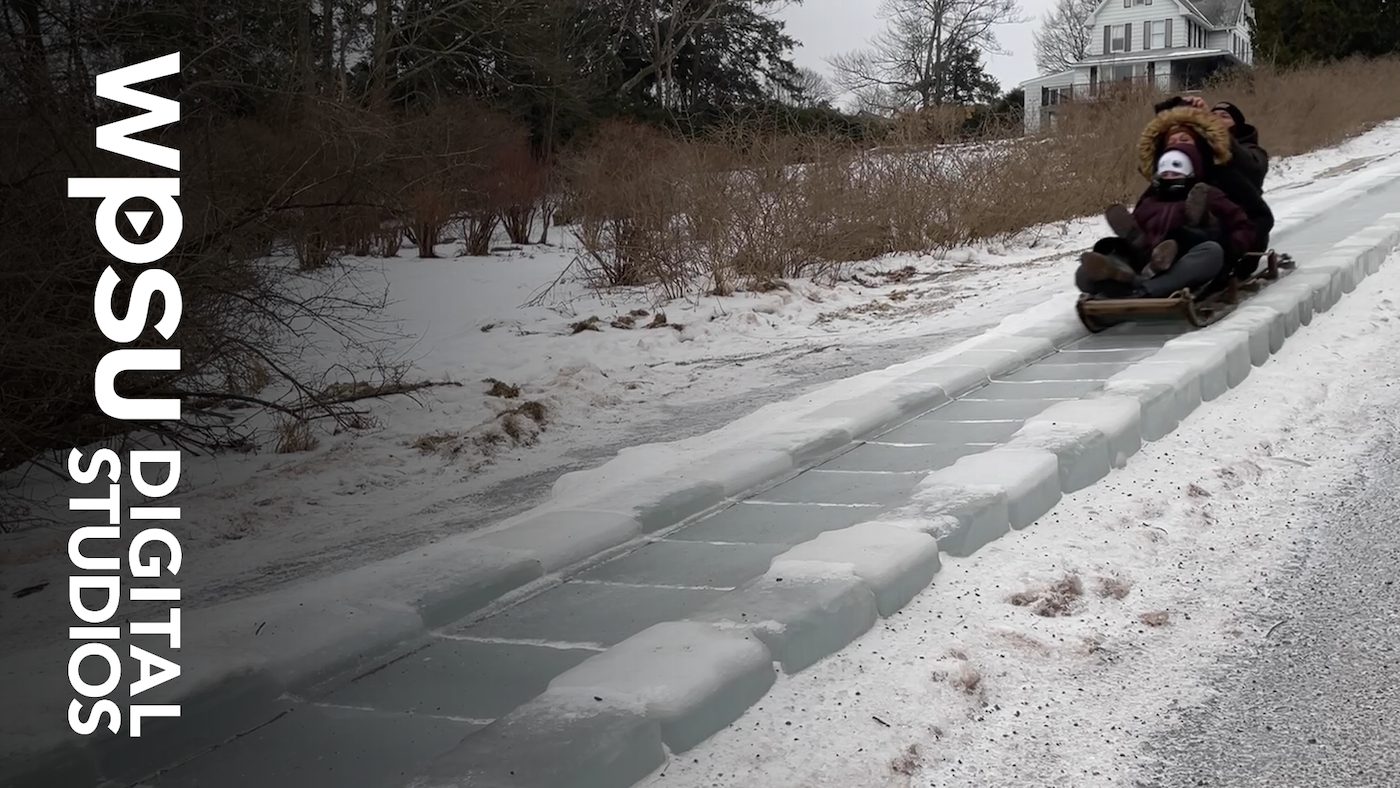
911	65
1064	36
673	23
810	89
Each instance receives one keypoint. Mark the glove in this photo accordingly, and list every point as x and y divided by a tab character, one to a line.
1171	103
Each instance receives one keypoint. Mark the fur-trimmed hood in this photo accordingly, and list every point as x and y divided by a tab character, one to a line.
1207	129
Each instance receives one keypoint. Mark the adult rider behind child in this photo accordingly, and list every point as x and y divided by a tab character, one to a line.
1246	155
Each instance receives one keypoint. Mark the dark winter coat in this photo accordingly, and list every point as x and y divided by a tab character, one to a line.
1221	170
1246	156
1161	214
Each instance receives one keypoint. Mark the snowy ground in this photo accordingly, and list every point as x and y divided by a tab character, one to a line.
1054	655
427	470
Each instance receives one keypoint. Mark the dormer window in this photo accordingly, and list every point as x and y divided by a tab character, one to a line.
1131	3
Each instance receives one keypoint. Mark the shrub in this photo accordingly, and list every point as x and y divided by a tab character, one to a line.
739	206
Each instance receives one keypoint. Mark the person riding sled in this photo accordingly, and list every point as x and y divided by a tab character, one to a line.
1246	155
1189	125
1179	235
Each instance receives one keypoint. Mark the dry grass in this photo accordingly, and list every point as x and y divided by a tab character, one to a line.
512	427
907	763
968	679
430	444
1113	587
294	436
501	389
1057	599
962	675
1305	109
734	212
1155	618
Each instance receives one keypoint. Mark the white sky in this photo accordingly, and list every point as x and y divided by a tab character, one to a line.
828	27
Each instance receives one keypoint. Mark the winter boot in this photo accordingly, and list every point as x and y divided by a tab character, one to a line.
1197	200
1121	221
1162	257
1102	268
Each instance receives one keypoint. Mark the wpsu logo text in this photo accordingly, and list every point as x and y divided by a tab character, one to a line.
153	553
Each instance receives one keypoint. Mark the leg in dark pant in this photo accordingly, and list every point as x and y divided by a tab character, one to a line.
1194	269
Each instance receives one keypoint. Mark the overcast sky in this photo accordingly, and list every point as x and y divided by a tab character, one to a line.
828	27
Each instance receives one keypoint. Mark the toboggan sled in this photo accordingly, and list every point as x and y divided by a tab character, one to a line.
1200	309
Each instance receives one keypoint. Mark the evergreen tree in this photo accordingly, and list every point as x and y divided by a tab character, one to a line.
1295	31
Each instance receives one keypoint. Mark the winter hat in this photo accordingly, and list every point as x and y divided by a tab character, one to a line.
1178	129
1231	110
1178	160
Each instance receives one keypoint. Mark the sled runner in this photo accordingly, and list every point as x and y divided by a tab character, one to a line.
1199	309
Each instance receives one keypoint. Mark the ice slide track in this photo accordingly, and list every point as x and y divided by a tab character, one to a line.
668	635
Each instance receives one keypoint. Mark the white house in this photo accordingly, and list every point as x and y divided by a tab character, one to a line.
1175	43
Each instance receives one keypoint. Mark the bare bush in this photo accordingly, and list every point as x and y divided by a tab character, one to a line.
625	200
521	182
243	335
740	208
1301	109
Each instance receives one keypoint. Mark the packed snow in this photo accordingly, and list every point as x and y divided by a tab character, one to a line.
1053	655
444	460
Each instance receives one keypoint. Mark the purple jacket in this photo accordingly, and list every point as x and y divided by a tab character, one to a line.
1159	218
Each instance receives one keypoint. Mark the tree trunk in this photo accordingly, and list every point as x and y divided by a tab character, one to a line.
327	63
379	74
38	84
306	79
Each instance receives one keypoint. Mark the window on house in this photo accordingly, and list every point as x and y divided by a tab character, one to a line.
1117	41
1158	39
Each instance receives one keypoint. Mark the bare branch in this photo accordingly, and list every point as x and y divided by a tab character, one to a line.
1064	36
922	58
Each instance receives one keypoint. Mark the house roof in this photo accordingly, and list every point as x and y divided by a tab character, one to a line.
1066	78
1155	54
1063	77
1217	13
1220	13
